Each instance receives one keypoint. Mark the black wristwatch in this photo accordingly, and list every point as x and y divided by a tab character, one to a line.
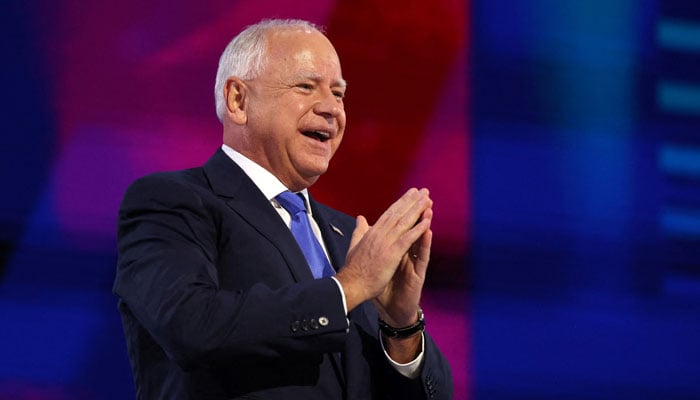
402	333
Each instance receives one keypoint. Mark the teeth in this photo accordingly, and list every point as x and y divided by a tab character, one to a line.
322	136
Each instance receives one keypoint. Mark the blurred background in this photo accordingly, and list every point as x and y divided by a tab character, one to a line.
560	141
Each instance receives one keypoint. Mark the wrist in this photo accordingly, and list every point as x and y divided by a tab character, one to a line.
403	351
353	292
404	332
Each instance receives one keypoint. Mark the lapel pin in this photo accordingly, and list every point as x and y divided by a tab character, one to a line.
337	230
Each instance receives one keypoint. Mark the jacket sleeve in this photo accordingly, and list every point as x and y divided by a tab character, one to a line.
168	276
434	382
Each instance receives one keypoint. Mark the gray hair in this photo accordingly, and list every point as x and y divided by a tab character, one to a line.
244	57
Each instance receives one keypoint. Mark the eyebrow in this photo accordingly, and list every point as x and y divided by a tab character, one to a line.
342	83
336	82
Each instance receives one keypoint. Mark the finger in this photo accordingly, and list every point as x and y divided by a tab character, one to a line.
404	213
417	210
399	207
428	213
423	252
415	250
361	227
407	239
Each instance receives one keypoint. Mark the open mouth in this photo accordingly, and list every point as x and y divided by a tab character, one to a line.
320	136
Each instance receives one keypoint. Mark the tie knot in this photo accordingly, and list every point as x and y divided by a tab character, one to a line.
291	202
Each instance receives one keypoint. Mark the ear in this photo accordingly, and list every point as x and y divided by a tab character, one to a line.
235	94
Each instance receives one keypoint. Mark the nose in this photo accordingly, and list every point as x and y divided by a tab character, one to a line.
329	105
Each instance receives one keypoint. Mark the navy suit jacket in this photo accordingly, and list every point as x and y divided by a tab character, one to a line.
218	302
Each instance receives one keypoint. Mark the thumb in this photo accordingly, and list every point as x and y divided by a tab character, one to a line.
361	227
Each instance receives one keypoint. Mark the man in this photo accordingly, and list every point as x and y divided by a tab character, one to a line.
218	296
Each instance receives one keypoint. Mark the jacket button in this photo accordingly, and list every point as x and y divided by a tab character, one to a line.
295	326
314	324
323	321
304	325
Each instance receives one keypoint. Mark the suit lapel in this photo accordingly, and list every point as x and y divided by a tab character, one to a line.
229	182
335	238
239	192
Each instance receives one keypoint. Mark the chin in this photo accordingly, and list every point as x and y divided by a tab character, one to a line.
316	168
311	178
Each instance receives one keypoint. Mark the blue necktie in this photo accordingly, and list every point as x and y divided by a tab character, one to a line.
301	229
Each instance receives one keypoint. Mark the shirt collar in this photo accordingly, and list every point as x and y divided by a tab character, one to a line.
268	184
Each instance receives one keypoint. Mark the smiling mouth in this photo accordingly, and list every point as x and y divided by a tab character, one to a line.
320	136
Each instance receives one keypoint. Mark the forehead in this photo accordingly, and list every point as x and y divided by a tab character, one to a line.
302	52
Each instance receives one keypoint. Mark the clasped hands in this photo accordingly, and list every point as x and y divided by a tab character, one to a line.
387	262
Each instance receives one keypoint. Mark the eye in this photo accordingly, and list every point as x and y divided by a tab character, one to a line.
305	86
339	94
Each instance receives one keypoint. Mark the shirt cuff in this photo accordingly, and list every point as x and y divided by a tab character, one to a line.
342	294
411	369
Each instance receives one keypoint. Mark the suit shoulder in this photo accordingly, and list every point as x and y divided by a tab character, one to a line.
192	177
173	185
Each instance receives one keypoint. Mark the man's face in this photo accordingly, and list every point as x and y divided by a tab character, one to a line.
296	117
